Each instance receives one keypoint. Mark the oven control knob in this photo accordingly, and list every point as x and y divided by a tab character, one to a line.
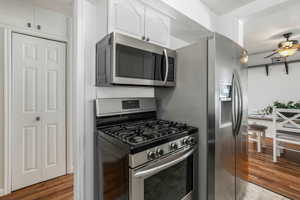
174	146
151	155
185	141
160	152
191	140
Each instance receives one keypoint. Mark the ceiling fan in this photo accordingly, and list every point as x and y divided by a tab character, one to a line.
286	48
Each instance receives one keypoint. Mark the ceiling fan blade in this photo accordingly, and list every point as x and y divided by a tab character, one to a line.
272	54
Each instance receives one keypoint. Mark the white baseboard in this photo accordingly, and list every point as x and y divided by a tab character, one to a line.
1	192
70	170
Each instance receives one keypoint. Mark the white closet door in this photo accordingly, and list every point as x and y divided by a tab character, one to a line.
53	109
38	110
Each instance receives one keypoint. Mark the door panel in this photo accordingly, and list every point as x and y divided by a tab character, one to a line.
51	100
242	139
38	110
51	143
16	13
50	22
155	21
230	147
30	90
30	139
224	137
127	17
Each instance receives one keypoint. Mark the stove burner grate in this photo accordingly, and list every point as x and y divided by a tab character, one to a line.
135	133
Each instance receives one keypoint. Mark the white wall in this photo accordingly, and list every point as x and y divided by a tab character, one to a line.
176	43
227	25
1	108
278	86
195	10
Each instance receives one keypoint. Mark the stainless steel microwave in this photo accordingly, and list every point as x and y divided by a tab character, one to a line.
123	60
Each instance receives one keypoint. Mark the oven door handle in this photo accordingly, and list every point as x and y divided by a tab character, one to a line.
161	167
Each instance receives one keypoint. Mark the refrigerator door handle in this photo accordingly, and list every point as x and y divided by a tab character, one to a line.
241	107
234	105
237	103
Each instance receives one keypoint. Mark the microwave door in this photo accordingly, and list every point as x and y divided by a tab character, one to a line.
129	62
149	66
134	66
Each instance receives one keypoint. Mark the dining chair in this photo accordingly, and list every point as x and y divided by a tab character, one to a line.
286	124
257	133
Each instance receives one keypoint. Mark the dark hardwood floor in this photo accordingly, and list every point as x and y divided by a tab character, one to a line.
282	177
60	188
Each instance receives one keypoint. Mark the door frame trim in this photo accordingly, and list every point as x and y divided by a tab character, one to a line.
8	86
7	114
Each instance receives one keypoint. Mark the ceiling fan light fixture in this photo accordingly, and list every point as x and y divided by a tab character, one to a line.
287	52
286	48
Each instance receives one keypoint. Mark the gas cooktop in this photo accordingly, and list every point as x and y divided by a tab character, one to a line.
136	133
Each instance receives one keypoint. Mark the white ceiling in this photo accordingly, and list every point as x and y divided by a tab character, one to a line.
221	7
263	31
62	6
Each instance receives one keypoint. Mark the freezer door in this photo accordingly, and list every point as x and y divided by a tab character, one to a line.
242	135
227	119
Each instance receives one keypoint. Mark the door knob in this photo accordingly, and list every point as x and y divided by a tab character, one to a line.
38	118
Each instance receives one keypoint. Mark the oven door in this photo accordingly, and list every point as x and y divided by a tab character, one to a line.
170	178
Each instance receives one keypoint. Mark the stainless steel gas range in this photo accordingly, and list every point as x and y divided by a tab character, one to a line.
140	157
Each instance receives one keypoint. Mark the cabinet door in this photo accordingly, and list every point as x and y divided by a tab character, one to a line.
127	16
16	13
49	22
157	27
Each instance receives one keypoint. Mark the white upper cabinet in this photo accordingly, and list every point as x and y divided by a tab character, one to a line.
127	16
50	22
133	18
157	27
16	13
22	15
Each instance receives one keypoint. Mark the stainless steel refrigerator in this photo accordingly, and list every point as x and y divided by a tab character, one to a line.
211	93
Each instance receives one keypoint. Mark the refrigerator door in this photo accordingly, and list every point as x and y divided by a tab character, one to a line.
227	118
242	134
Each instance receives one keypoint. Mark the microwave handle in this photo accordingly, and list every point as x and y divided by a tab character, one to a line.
154	170
167	66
